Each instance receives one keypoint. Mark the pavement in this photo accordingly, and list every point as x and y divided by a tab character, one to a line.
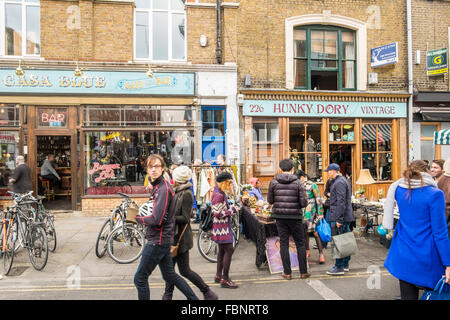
75	265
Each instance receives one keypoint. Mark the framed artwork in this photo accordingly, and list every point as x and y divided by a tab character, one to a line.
274	257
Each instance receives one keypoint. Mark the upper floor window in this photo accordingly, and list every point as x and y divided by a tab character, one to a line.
324	58
160	28
20	25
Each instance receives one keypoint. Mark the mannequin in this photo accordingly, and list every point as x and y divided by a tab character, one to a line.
311	157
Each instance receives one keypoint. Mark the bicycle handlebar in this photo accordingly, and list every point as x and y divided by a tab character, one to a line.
123	195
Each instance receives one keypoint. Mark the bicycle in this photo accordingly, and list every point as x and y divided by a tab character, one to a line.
117	229
208	248
34	235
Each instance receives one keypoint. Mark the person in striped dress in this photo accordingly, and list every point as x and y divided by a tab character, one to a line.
221	230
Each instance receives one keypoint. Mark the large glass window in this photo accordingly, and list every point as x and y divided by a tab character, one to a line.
21	27
324	58
115	159
9	115
160	30
265	148
305	148
9	145
428	150
377	150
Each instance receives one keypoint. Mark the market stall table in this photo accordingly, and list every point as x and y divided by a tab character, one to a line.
258	231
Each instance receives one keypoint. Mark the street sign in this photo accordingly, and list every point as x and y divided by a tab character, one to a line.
384	55
437	63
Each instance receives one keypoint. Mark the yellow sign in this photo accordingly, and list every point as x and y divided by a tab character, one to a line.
110	136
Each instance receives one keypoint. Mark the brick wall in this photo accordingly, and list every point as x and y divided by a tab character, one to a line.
430	31
261	37
103	206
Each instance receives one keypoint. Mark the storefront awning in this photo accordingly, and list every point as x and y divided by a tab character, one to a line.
442	136
437	113
369	133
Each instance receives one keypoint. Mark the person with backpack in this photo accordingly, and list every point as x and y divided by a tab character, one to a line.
288	197
221	228
183	201
159	223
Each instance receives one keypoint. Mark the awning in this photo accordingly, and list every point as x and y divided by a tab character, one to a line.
369	133
442	136
435	113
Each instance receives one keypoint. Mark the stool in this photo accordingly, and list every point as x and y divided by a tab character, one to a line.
48	193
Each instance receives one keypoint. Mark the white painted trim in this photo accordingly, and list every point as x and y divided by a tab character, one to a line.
231	5
200	5
360	28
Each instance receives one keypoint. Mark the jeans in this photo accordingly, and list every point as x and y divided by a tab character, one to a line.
182	259
344	262
152	256
286	228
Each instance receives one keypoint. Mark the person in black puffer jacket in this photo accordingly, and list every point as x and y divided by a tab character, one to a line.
182	209
160	234
288	196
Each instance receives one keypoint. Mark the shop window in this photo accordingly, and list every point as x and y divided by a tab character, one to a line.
265	148
428	150
114	160
52	117
160	28
9	150
377	151
305	148
213	132
107	116
324	58
21	27
9	115
341	132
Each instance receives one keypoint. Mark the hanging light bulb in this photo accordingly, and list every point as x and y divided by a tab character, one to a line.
149	72
19	71
78	72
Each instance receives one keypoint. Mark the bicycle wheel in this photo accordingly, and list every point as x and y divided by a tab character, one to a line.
125	244
9	244
208	248
100	244
51	233
37	246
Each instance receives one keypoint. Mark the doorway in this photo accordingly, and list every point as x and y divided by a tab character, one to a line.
56	188
342	154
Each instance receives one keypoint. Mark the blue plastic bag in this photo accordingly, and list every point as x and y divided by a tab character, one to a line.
324	230
440	292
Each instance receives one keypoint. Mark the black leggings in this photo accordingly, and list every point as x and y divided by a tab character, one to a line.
224	260
182	259
316	236
410	291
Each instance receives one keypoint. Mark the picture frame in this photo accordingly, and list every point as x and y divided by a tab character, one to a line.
274	257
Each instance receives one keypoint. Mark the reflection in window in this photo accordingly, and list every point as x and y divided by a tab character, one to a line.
115	159
9	115
305	149
9	144
265	148
377	151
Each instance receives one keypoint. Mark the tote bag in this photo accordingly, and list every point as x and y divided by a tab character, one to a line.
440	292
344	245
324	230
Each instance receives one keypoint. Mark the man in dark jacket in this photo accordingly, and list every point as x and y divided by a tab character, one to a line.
160	233
288	197
21	179
341	212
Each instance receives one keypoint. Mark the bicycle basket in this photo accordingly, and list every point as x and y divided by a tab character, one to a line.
206	218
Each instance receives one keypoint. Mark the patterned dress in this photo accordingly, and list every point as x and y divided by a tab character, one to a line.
314	210
221	229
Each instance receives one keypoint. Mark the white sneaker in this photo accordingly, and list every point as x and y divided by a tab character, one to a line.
1	277
346	269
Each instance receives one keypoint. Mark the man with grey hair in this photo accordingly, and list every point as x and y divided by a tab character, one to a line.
21	179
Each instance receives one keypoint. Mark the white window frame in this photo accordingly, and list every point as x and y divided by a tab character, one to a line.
24	4
150	33
325	18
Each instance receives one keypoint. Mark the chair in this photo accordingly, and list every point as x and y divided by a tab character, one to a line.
48	192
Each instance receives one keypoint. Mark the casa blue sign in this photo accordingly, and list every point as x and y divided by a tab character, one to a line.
96	82
384	55
322	109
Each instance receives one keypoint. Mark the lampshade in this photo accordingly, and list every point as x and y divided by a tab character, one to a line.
365	177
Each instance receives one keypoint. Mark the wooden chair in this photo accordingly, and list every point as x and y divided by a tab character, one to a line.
48	192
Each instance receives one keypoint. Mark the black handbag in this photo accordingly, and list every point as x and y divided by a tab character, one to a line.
206	218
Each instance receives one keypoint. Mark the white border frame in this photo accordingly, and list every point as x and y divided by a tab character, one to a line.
358	26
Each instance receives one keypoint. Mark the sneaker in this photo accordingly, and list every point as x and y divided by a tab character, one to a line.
228	284
335	271
346	269
210	295
1	277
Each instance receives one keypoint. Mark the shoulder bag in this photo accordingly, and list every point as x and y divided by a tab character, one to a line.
174	249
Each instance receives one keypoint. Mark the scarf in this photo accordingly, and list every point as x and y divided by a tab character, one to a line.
389	204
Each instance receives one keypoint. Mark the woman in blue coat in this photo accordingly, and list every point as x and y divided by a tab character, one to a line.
419	255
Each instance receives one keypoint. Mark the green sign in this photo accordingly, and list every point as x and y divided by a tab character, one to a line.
437	62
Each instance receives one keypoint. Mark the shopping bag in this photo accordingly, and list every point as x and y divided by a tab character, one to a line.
440	292
324	230
344	245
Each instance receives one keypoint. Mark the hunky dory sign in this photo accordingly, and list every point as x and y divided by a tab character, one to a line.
320	109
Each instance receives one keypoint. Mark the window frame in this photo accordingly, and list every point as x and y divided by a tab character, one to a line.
339	60
437	152
24	4
274	145
170	12
214	137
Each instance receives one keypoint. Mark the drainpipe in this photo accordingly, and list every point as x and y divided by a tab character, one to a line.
219	32
410	80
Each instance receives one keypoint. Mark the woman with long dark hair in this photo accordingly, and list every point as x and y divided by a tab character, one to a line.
419	255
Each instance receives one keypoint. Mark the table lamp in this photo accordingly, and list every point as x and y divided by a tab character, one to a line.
364	178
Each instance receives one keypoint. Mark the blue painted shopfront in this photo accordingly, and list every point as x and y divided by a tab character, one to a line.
213	132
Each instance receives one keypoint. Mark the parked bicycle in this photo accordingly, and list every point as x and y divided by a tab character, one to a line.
123	239
33	235
207	247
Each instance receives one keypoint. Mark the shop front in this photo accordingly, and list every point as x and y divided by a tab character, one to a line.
355	130
100	127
